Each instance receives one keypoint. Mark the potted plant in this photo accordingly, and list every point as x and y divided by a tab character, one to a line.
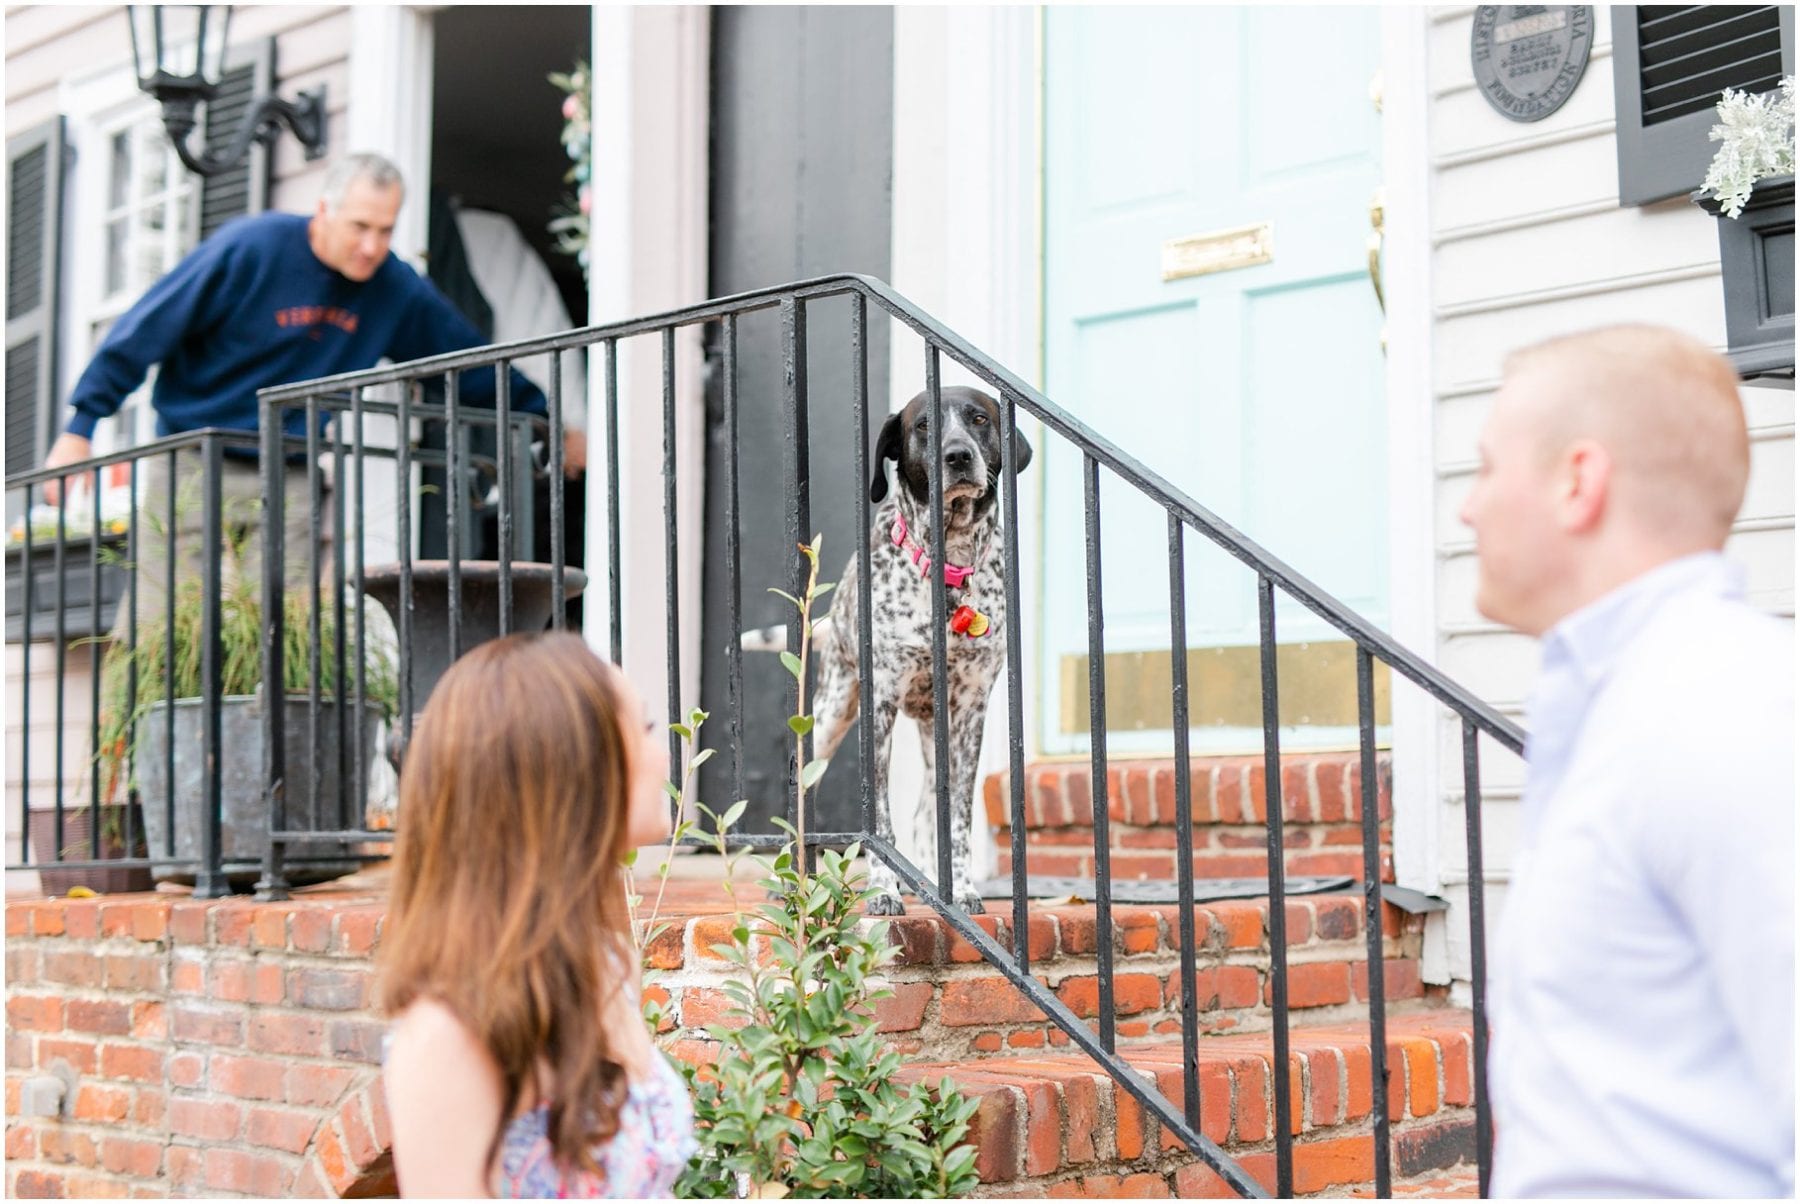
149	730
1750	189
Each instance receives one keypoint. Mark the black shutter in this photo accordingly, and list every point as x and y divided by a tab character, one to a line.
245	188
34	193
1670	62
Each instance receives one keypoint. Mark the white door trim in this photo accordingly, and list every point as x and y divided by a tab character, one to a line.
968	248
390	106
1412	560
649	245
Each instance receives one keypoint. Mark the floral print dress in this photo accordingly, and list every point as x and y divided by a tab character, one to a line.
642	1161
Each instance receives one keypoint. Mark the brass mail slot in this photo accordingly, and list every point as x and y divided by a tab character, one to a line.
1220	251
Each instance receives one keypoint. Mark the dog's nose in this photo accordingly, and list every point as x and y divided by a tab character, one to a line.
959	459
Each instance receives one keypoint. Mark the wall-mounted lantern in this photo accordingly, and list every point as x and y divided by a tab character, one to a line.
179	53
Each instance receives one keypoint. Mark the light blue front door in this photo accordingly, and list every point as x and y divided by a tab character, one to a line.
1257	390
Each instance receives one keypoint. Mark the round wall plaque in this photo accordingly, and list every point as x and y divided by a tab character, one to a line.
1529	57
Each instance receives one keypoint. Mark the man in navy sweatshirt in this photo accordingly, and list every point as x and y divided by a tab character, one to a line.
267	300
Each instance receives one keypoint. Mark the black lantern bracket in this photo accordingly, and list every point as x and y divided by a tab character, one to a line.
304	116
179	51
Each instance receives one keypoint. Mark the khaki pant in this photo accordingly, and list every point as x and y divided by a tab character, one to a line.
240	523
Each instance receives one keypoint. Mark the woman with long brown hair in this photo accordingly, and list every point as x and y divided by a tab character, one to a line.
519	1063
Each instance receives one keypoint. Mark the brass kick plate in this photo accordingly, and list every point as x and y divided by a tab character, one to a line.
1220	251
1317	680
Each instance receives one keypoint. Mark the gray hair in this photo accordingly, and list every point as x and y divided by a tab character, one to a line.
362	165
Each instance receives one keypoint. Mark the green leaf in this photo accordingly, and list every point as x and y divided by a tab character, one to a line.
784	594
631	856
701	758
682	730
733	812
670	789
800	724
792	664
813	772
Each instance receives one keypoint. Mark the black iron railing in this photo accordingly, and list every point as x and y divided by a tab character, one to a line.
428	392
147	564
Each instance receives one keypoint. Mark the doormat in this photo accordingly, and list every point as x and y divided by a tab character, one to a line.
1148	890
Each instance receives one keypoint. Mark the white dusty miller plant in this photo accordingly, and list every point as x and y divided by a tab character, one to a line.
1756	137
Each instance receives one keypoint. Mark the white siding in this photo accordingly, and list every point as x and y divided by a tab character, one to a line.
1529	241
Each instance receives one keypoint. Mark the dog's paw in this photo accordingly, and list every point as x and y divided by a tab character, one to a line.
885	905
971	902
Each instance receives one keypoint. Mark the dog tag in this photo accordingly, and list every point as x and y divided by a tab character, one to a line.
970	622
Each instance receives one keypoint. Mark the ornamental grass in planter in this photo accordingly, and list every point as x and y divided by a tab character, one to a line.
139	708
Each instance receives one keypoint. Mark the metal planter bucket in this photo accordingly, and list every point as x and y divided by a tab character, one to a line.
312	798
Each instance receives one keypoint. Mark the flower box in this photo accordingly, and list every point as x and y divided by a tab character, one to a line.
1756	262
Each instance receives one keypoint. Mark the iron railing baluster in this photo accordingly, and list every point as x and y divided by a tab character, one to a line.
1103	927
734	578
26	854
170	551
95	848
210	881
671	557
559	610
940	631
1015	676
62	651
1278	968
799	509
1184	822
403	622
315	643
865	624
1484	1117
1372	917
272	467
132	830
361	792
504	436
614	619
339	624
458	503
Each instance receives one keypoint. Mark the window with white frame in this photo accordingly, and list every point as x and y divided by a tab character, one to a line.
146	225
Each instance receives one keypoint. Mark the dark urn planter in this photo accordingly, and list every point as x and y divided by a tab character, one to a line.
314	790
1756	261
480	617
116	819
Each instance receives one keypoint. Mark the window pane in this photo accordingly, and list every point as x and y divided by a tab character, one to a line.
153	159
117	235
147	246
120	185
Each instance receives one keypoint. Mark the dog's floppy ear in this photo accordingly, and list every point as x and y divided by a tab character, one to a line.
1021	451
887	447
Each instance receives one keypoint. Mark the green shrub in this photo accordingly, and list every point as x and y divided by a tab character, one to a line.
802	1100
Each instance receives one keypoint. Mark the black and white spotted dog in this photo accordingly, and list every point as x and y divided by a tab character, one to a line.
900	570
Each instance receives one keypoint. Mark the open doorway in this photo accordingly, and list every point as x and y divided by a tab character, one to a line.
497	180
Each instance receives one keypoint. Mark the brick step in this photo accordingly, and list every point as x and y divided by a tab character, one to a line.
1321	812
1056	1125
949	1004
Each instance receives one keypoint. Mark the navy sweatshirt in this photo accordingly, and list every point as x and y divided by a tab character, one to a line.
252	306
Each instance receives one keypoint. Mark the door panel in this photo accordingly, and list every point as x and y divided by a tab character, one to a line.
1257	389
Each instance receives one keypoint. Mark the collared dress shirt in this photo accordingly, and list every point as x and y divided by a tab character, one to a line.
1643	978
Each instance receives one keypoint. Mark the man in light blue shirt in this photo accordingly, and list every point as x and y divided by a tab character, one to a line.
1643	971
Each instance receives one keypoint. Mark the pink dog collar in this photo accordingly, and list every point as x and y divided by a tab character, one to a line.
955	575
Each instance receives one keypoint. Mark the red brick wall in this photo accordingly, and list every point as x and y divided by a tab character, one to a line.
218	1048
